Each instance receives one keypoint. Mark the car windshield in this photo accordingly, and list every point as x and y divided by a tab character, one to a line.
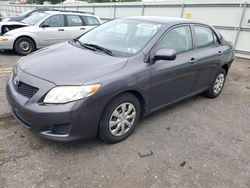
123	37
34	18
25	12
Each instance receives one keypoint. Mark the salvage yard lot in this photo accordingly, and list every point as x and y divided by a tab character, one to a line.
200	142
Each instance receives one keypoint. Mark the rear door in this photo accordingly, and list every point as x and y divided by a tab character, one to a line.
90	22
209	54
75	26
173	80
53	30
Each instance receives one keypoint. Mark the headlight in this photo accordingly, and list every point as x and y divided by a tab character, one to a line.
64	94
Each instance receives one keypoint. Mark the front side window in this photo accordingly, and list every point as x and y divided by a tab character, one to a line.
74	21
179	39
54	21
204	36
124	37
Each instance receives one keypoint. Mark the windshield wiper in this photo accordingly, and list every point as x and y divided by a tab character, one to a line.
88	47
107	51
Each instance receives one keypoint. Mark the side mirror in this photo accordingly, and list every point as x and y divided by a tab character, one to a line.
44	25
165	54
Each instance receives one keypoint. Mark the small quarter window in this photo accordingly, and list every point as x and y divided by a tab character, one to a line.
204	36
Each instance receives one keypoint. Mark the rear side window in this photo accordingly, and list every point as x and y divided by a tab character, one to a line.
55	21
204	36
90	20
179	39
74	20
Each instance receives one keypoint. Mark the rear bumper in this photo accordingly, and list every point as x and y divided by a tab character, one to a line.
66	122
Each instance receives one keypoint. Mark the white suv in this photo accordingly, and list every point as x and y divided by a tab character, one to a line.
43	29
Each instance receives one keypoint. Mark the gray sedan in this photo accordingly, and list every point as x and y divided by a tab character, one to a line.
104	82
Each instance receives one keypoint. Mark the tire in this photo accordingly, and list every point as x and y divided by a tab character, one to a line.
217	84
24	46
115	125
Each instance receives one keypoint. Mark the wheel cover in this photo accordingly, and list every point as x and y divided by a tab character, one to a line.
219	82
122	119
24	46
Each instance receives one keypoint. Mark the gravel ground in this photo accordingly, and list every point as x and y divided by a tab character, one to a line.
197	143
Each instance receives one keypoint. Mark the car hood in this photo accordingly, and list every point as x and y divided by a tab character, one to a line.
66	64
13	23
10	26
23	28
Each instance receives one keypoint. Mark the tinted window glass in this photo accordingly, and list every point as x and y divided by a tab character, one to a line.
55	21
179	39
74	21
89	20
204	36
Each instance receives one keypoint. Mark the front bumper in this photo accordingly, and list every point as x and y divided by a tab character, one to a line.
66	122
7	42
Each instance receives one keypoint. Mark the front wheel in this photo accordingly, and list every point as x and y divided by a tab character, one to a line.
217	85
119	118
24	46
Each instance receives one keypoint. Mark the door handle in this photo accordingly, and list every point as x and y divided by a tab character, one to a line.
219	53
82	28
192	60
60	29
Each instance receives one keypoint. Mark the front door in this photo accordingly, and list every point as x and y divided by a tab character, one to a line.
53	30
75	26
173	80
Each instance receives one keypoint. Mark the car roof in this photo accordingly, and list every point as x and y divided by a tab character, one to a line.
54	12
161	20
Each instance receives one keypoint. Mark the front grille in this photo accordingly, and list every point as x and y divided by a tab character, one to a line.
25	89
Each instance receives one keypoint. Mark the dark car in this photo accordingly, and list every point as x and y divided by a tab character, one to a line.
104	82
22	15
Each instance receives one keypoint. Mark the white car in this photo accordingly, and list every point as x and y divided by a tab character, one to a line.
44	29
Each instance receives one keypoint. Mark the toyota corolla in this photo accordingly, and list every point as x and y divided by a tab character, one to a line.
104	82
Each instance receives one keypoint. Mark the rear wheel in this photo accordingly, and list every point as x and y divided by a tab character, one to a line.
119	118
217	85
24	46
